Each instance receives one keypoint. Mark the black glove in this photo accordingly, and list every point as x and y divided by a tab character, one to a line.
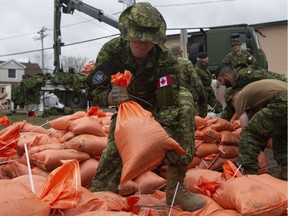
119	94
171	157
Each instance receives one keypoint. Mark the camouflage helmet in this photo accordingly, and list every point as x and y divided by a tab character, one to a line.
236	41
142	22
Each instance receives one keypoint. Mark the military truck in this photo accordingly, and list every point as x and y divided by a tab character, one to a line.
216	41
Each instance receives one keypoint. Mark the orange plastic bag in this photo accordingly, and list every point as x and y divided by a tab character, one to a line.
62	188
9	140
141	141
94	110
63	123
250	197
4	121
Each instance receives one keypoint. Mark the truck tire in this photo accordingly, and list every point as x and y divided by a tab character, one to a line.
193	52
75	100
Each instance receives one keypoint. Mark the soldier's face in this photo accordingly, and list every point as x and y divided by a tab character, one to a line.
140	49
226	80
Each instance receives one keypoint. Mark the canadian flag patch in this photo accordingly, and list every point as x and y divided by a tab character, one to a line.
164	81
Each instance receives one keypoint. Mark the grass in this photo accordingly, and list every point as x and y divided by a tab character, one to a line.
20	115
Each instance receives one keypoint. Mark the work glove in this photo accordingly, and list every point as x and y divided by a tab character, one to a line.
171	157
118	95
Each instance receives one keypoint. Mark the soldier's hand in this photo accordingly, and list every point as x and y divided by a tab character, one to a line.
118	95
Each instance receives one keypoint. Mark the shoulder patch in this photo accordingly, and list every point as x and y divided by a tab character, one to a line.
98	77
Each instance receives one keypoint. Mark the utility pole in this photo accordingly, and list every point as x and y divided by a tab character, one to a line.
41	37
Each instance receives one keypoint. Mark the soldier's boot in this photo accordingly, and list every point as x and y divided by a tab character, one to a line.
187	200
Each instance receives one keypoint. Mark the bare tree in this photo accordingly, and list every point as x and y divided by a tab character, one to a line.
48	62
73	62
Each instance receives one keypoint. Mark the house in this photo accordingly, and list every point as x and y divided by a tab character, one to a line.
12	71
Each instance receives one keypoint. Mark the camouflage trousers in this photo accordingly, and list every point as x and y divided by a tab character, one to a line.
109	171
269	122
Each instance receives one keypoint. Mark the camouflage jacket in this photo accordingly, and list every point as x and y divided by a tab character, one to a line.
115	56
244	77
205	76
245	58
191	79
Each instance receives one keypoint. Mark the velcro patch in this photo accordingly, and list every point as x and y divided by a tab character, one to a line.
99	77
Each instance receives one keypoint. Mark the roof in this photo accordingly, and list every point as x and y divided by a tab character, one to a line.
29	67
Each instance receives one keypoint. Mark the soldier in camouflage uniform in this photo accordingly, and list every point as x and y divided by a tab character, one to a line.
261	107
239	78
201	68
239	57
191	78
140	50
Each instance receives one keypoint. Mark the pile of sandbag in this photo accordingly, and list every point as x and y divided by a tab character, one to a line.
64	158
216	141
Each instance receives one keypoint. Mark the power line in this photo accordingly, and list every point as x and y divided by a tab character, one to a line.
48	48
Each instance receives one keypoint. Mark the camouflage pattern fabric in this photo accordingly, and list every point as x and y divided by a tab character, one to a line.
270	121
210	98
244	58
192	81
142	16
245	76
177	118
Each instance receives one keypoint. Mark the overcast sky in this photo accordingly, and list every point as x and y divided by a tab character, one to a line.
21	20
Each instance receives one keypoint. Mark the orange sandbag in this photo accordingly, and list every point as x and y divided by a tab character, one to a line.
225	212
17	199
195	162
149	182
67	136
27	127
139	203
141	141
63	123
128	188
4	121
230	170
33	139
228	138
88	202
237	132
50	159
210	207
9	140
55	133
210	135
106	213
220	124
200	122
228	151
87	125
96	111
250	197
87	171
14	169
193	175
205	149
279	184
38	182
91	144
114	201
62	189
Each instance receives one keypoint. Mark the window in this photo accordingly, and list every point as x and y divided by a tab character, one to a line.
11	73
